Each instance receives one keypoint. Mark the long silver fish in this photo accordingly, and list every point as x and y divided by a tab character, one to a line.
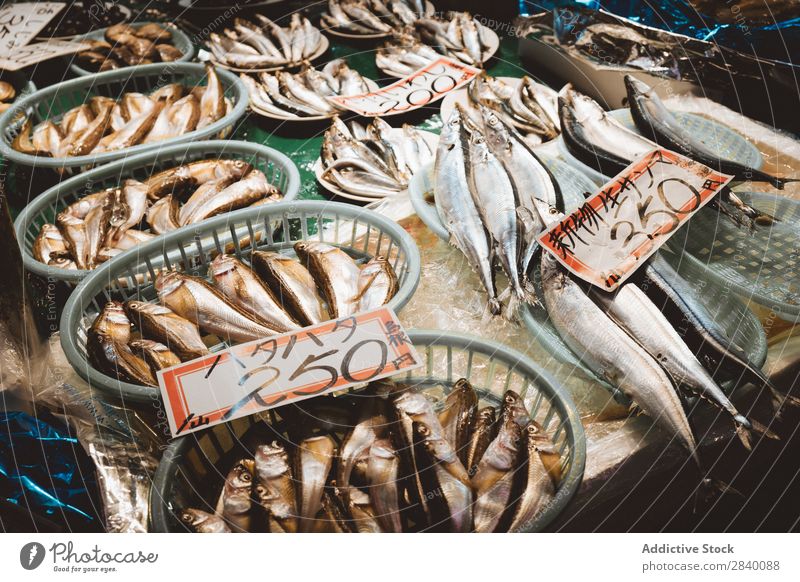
313	461
611	352
195	299
292	286
235	501
457	207
383	475
277	490
335	272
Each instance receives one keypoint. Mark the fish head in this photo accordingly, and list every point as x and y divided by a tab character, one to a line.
486	416
193	517
513	407
241	475
635	87
271	461
168	281
451	129
222	265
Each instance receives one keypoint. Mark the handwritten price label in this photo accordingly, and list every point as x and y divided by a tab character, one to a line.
41	51
20	22
605	240
428	84
263	374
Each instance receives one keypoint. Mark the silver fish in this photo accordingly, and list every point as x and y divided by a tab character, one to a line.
335	272
161	324
292	286
535	488
277	491
200	521
313	461
383	475
377	284
235	501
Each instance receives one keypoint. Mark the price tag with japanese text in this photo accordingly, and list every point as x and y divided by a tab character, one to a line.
428	84
282	369
21	22
38	52
618	228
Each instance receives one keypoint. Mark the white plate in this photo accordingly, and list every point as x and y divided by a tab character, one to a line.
373	86
494	45
430	138
429	10
323	46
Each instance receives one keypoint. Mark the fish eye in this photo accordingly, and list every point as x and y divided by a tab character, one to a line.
246	476
187	517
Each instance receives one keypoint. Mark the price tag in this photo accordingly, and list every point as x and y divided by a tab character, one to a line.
20	22
618	228
428	84
41	51
282	369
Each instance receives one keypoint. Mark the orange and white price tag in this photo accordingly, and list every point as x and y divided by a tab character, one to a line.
282	369
420	88
606	239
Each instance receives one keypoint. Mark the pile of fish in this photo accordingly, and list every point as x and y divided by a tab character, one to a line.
402	468
490	191
376	161
264	44
127	46
238	303
601	142
530	107
7	95
304	94
369	17
101	225
456	34
107	125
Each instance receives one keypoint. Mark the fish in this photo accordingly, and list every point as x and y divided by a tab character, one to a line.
84	236
225	197
456	206
235	502
458	415
514	407
361	511
355	446
533	489
7	91
153	31
484	430
157	355
612	354
49	244
134	131
377	284
107	349
163	325
84	141
168	53
495	199
244	289
163	215
200	521
313	461
335	272
128	209
493	479
274	476
630	308
77	119
655	121
291	285
212	104
47	137
383	469
176	180
444	481
195	299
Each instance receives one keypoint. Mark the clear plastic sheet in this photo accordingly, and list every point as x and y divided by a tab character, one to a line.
119	440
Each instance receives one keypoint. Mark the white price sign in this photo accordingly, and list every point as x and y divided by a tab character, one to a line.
41	51
21	22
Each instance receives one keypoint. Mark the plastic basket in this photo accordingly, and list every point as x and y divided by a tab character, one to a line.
52	102
360	232
193	467
278	168
179	40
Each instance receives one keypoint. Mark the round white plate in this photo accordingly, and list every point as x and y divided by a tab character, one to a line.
493	42
373	86
323	46
430	138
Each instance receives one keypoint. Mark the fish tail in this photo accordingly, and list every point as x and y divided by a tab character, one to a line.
761	429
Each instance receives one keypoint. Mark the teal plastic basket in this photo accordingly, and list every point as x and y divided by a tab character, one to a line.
360	232
193	468
52	102
278	168
179	40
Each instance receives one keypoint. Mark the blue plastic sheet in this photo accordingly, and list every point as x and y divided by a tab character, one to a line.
44	470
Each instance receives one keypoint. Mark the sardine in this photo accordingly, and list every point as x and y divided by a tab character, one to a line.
200	521
458	415
277	488
245	290
457	207
484	430
235	502
313	460
198	301
444	481
383	474
292	286
336	274
163	325
612	354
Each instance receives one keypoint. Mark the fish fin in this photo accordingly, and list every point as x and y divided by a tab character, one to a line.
761	429
710	486
634	410
363	291
745	436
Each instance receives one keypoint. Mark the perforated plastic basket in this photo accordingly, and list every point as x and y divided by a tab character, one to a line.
360	232
193	468
179	40
52	102
278	168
